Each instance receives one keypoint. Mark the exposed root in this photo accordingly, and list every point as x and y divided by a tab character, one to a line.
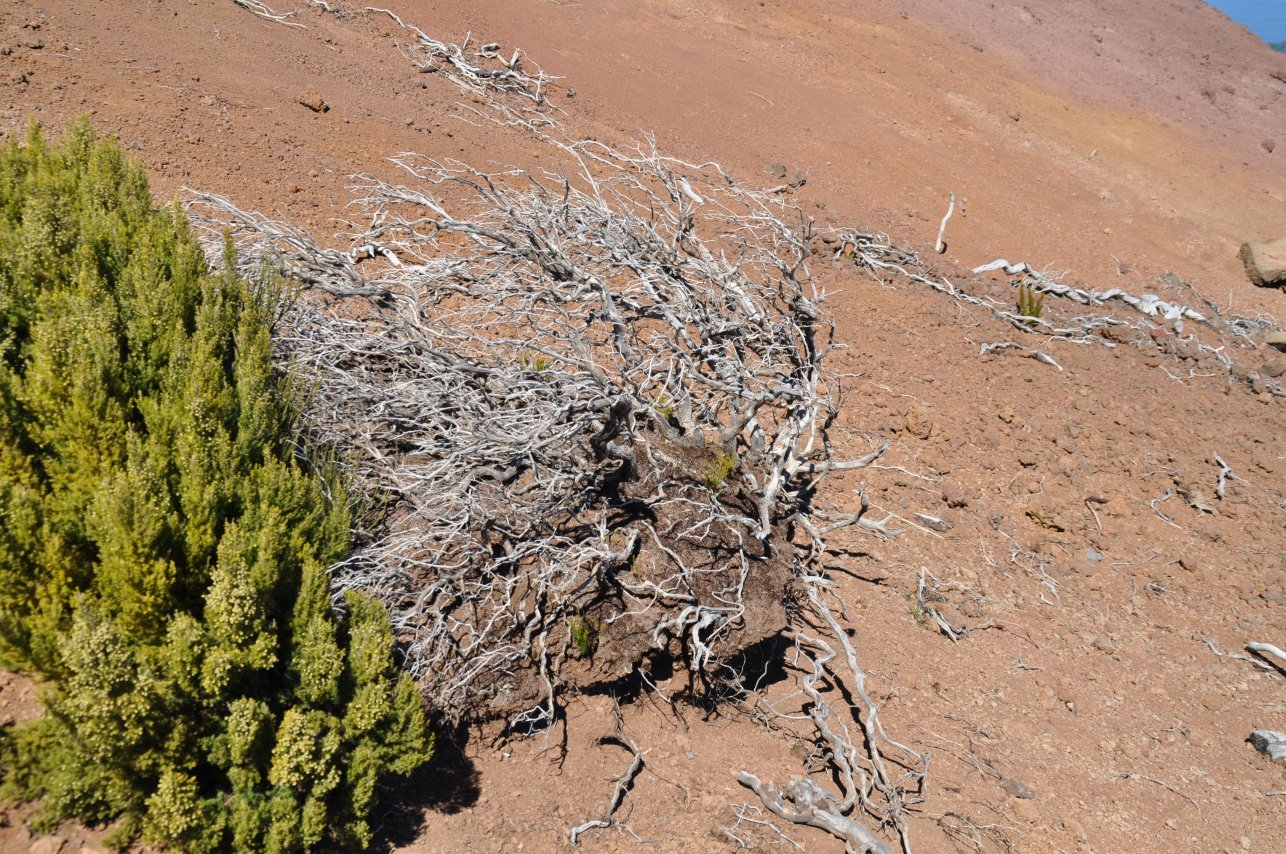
803	801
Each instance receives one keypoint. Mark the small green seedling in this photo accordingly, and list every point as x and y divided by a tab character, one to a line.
918	614
584	633
529	361
664	407
1030	302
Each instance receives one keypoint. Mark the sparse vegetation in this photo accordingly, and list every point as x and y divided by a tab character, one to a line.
584	633
918	614
719	469
166	536
664	406
1030	301
534	362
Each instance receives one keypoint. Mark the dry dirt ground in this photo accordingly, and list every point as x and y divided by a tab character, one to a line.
1111	142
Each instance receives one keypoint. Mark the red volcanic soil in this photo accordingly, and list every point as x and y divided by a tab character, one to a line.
1115	144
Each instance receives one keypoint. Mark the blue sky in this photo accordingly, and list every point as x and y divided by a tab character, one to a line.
1266	18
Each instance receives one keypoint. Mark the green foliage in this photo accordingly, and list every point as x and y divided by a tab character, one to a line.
663	405
535	362
584	631
719	469
163	552
1030	302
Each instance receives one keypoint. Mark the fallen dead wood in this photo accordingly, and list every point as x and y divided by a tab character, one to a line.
592	413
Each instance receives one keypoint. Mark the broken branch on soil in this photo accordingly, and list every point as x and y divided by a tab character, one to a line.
1169	493
985	349
1135	775
804	802
622	787
511	77
264	11
1225	474
940	245
1262	665
1272	655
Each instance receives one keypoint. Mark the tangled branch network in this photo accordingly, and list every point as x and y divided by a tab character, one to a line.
590	412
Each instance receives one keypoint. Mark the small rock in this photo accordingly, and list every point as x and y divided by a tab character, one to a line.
954	497
1083	566
798	179
1274	368
1187	348
48	845
1025	811
1119	334
34	42
313	101
1047	515
1266	262
940	523
919	422
1017	789
775	169
1104	644
1269	145
1171	824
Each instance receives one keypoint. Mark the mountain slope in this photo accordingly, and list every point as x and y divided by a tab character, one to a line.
1108	142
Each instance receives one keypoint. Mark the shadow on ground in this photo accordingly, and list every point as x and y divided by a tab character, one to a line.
446	785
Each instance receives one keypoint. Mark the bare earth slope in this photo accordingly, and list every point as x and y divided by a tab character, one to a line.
1106	141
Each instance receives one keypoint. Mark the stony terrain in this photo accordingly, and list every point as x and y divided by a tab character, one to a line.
1088	566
